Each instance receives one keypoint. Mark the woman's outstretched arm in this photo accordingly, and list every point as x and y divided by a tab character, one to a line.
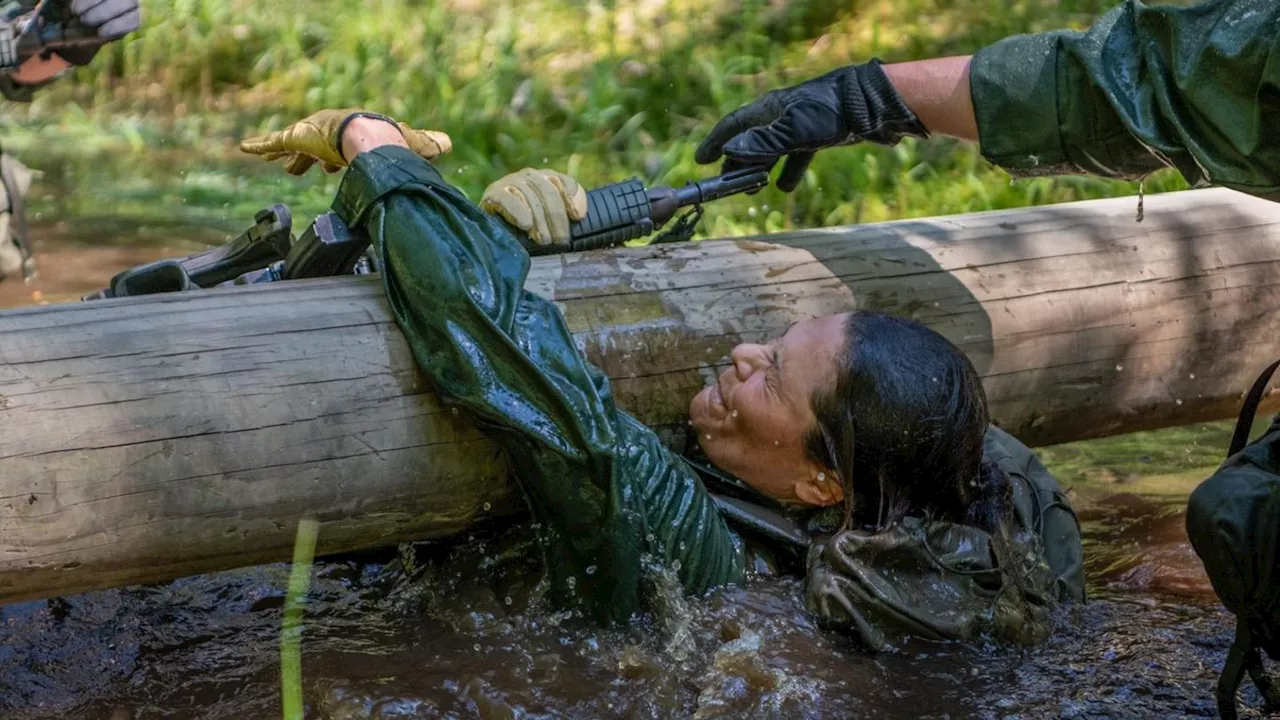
601	484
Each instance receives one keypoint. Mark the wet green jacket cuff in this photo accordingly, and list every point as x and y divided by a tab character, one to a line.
375	173
1146	87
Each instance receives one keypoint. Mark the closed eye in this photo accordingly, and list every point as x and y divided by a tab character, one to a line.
771	377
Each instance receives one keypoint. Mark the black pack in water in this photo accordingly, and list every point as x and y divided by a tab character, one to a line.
1233	521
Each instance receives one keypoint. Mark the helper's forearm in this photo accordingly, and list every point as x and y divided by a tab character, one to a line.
364	134
937	91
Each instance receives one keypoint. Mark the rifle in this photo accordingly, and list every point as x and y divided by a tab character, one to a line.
267	251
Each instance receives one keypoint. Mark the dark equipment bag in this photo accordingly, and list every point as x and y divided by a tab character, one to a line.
1233	521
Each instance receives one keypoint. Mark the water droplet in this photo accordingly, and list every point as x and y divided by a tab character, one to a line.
775	443
455	411
507	599
733	414
822	477
487	507
1178	401
1192	376
1119	367
591	569
476	647
675	565
751	211
706	437
682	546
572	582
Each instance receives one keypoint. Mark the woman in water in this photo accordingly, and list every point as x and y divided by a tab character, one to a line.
857	446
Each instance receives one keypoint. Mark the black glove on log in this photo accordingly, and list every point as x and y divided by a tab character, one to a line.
853	104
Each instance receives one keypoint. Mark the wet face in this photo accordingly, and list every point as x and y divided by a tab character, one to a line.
752	422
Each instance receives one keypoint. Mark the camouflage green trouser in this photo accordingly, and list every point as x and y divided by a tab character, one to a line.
13	189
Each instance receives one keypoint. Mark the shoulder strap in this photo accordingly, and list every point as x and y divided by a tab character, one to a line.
1250	409
748	509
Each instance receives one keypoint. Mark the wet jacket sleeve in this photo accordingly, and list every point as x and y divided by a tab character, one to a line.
1196	88
605	491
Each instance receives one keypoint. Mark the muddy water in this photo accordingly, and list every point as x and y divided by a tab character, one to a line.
459	632
451	640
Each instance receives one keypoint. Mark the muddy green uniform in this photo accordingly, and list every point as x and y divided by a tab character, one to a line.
1196	88
607	494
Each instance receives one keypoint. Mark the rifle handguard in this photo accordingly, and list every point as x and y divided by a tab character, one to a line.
628	210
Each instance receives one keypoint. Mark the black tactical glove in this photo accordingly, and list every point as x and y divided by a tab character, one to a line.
853	104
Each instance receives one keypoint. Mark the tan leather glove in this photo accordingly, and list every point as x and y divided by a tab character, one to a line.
318	139
541	203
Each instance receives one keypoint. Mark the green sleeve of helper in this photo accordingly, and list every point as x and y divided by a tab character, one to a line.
1193	87
607	495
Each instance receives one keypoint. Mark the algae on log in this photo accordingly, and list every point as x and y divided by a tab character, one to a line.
154	437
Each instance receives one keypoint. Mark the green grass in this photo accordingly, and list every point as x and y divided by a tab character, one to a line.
1196	449
304	551
603	90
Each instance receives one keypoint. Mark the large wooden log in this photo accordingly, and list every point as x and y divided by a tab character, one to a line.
149	438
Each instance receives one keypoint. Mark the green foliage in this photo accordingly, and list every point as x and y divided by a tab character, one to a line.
1189	449
604	90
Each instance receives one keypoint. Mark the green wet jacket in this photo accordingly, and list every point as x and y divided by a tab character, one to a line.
1196	88
607	495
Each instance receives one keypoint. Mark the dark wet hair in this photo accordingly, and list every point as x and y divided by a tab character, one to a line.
903	428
